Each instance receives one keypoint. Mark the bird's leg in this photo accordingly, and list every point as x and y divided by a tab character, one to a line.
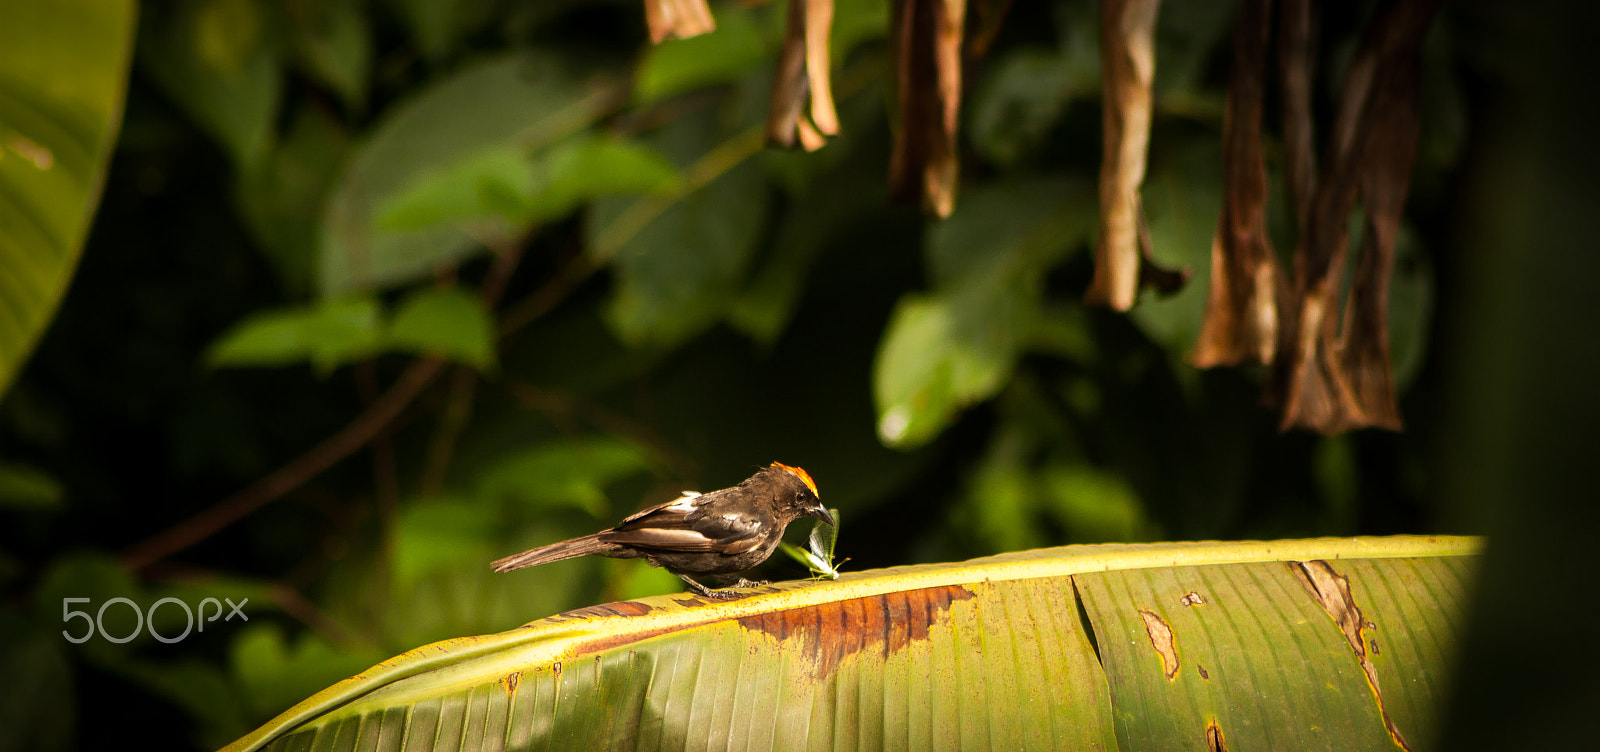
731	581
703	590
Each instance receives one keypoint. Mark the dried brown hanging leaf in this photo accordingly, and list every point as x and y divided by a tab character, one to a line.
1127	69
1241	317
1391	146
679	19
1296	42
1319	391
803	77
927	38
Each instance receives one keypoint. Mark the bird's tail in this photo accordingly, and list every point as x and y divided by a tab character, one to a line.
567	549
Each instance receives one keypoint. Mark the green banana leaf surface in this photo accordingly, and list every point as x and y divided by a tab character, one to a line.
1300	644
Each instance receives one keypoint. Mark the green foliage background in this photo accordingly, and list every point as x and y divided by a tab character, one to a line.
305	197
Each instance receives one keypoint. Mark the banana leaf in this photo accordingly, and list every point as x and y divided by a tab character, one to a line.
1300	644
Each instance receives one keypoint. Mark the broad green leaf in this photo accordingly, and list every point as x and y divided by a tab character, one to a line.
474	194
1093	505
501	191
437	25
1182	200
327	334
221	62
63	75
447	322
281	203
439	533
680	272
24	487
37	707
1410	308
854	22
573	473
522	102
586	169
764	307
946	351
1024	93
1082	647
1250	650
938	357
745	37
1009	233
334	44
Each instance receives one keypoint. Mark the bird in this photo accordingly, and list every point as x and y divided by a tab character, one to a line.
704	534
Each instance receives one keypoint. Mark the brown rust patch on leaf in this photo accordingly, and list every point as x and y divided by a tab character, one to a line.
827	633
624	608
1332	592
1202	670
1215	742
1192	598
510	681
1162	640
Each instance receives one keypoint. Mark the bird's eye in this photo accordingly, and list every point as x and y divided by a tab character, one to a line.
800	496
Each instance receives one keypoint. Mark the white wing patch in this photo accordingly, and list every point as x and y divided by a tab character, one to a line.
685	503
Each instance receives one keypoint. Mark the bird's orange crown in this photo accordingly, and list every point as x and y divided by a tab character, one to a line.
802	475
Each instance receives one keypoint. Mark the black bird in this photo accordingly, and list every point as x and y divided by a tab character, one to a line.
718	533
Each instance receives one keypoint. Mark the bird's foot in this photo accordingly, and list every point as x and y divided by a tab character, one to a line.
717	595
751	583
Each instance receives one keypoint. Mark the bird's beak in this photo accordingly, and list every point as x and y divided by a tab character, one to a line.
821	512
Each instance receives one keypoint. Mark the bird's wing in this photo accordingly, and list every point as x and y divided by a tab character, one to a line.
687	525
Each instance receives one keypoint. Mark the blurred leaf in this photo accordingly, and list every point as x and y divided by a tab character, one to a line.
584	169
573	473
1094	506
63	74
1025	92
1007	233
37	711
334	45
855	22
1182	200
938	357
98	577
740	43
219	60
24	487
437	25
447	322
680	273
471	194
1338	476
281	203
1002	494
1410	308
763	308
504	187
327	334
957	347
1191	38
516	103
434	534
272	672
636	579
